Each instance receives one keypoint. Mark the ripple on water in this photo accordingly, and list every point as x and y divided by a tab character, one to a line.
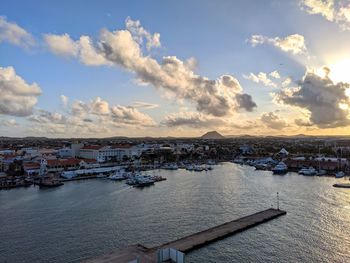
87	218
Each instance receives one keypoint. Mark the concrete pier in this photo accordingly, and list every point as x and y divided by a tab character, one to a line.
193	241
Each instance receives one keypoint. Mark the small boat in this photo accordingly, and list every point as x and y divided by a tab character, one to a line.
190	167
198	168
280	168
49	183
308	171
172	166
339	174
144	180
118	175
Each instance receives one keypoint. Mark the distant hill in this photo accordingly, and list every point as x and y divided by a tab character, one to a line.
212	135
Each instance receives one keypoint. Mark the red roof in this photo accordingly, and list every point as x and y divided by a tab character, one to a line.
31	166
63	162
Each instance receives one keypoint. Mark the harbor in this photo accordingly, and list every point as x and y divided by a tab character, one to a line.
191	242
99	216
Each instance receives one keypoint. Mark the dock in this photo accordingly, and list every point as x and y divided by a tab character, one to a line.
191	242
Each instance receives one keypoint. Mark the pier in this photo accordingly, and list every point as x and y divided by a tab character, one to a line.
191	242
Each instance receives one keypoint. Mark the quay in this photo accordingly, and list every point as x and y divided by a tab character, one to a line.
191	242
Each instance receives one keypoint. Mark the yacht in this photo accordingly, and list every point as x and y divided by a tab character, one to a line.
308	171
280	168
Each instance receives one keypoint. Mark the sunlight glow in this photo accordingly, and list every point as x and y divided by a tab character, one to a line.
340	71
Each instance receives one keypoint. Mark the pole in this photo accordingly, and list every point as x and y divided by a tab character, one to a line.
278	201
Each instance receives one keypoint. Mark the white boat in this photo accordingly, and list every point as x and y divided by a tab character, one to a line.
198	168
118	175
190	167
308	171
339	174
280	168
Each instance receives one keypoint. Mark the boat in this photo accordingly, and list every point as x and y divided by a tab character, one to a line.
280	168
118	175
144	180
49	182
198	168
190	167
308	171
339	174
172	166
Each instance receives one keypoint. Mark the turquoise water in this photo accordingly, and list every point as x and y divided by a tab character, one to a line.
84	219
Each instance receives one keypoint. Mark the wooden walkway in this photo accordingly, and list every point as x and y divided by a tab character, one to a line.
188	243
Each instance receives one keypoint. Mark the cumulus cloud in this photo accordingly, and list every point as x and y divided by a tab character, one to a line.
130	115
294	44
44	116
327	102
14	34
82	49
139	33
93	117
219	97
192	119
262	78
17	96
334	11
273	121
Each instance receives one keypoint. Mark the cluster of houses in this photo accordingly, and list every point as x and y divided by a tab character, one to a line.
26	161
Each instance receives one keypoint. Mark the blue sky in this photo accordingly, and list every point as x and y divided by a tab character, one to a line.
217	34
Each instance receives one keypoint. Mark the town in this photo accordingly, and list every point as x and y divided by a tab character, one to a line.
51	162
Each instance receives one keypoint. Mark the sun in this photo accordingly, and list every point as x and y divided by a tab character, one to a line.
340	71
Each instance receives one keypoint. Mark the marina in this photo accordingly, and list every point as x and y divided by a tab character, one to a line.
99	216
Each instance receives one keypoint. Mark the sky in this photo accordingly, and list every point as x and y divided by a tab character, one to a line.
174	68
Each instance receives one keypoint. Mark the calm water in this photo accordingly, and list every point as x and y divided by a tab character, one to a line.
84	219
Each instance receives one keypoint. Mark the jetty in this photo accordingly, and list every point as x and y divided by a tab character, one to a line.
191	242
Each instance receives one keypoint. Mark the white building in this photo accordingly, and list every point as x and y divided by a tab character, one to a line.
106	153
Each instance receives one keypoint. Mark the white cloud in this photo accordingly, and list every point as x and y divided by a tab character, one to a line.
139	33
275	74
14	34
334	11
61	45
171	75
193	120
83	49
327	102
64	100
17	96
261	77
294	44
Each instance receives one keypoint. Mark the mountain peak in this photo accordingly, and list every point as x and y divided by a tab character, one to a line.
212	135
